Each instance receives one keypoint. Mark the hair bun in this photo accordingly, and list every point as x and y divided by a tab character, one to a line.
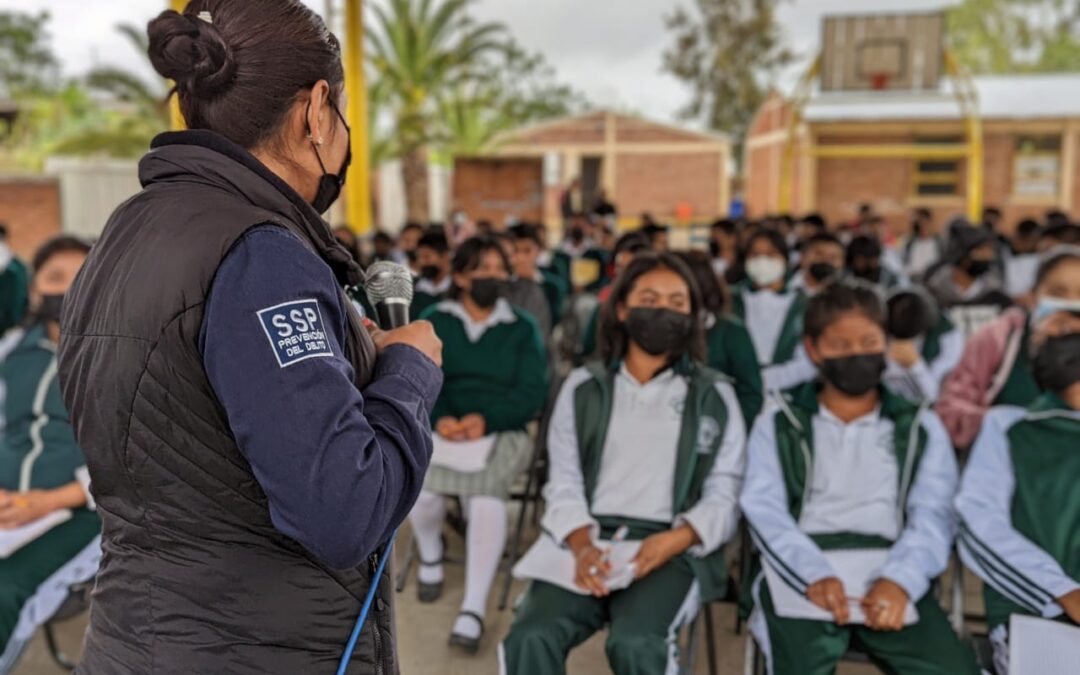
191	52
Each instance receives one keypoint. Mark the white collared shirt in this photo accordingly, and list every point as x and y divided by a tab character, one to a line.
474	330
766	311
432	288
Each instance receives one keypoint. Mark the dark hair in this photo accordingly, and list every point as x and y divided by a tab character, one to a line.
411	225
839	298
1063	233
775	238
910	312
611	333
714	292
814	220
653	229
1054	258
527	232
435	240
468	255
1028	228
631	242
822	238
239	71
862	246
924	213
3	231
725	225
1056	217
381	237
64	243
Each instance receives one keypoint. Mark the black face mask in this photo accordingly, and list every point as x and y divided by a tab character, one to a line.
871	274
577	234
50	308
977	268
430	272
330	184
1056	365
854	375
714	249
660	331
820	271
486	292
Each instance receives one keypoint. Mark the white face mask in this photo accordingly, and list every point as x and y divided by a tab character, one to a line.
1048	305
765	270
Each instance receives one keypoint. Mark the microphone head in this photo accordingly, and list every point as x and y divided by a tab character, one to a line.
388	281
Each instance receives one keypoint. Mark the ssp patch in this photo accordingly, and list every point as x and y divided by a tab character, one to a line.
296	332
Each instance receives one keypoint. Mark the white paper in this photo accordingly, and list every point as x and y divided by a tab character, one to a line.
13	540
855	568
547	561
1041	647
463	456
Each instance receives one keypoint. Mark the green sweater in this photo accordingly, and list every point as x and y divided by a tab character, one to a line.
731	352
502	376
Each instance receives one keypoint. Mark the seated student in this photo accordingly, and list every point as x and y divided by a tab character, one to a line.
524	293
995	367
924	346
771	310
1023	260
528	245
42	470
864	260
580	244
1056	235
628	247
923	248
723	245
433	261
495	383
822	261
13	285
843	464
1020	525
808	227
649	439
659	236
729	349
968	285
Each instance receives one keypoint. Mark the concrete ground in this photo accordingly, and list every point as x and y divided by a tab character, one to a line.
423	631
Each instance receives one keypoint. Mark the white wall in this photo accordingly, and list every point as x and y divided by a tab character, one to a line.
91	189
391	215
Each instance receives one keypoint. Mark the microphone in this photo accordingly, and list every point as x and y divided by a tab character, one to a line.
390	290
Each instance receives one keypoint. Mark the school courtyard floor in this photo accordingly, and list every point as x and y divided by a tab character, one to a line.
423	630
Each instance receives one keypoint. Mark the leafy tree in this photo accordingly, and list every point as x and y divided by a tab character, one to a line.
148	97
728	52
1016	36
27	64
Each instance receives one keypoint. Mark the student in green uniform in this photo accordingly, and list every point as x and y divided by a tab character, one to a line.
843	468
628	247
13	285
528	245
433	261
995	368
42	470
822	261
924	346
728	346
1019	505
651	440
495	383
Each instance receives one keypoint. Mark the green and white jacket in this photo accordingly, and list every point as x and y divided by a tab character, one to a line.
1019	507
651	456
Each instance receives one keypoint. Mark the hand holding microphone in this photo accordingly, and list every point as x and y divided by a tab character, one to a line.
390	289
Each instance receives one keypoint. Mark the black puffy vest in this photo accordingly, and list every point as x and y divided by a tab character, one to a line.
195	578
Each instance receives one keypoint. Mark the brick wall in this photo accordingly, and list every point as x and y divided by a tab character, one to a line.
30	207
494	188
657	183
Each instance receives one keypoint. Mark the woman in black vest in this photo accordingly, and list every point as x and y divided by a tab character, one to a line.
251	447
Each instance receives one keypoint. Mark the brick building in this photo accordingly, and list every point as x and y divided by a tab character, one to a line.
675	174
1031	139
30	209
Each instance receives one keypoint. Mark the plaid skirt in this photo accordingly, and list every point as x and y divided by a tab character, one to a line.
509	457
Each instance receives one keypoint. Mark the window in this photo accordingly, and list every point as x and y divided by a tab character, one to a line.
1037	166
937	177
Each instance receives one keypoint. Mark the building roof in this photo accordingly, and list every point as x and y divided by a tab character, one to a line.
1011	97
589	128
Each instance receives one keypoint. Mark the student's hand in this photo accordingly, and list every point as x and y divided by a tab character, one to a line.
829	595
1070	602
659	548
419	335
21	508
450	428
591	570
885	605
473	426
904	352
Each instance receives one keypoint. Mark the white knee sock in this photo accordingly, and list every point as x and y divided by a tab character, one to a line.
427	518
485	540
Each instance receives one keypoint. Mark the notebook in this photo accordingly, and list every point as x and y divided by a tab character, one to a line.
463	456
13	540
550	562
1041	647
855	568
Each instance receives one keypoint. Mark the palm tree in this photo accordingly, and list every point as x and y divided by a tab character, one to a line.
420	49
147	97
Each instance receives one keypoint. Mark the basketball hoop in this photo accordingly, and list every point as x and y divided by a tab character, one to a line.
880	81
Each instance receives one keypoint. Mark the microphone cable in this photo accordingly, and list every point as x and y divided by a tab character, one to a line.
343	665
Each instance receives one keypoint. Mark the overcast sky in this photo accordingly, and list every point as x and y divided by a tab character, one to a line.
610	49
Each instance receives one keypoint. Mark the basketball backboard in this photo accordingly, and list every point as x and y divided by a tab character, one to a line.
882	52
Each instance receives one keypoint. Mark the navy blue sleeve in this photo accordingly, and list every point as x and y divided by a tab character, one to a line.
341	468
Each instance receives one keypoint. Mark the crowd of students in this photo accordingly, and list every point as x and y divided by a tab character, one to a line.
826	383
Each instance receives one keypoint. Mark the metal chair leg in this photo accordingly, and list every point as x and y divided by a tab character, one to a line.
710	640
515	538
58	656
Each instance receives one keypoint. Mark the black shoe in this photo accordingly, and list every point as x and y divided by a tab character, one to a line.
428	593
468	644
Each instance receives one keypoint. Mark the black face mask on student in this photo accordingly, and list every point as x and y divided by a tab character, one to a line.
977	268
50	308
1056	365
577	234
820	271
871	273
714	249
660	331
430	272
330	184
854	375
486	292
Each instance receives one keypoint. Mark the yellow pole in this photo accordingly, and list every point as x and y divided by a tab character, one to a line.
177	120
358	188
